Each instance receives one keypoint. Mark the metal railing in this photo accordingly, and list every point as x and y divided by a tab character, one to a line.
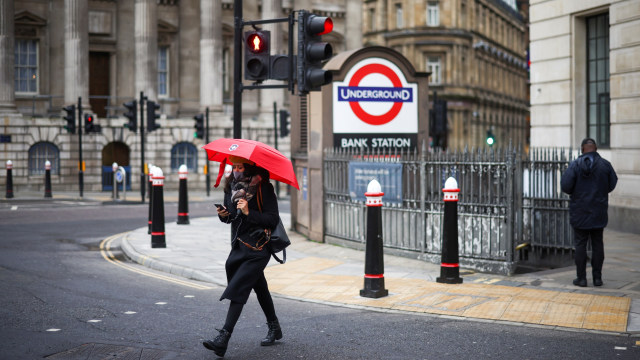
506	199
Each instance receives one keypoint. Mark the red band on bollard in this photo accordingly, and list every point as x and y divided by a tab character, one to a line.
183	214
378	276
453	265
157	233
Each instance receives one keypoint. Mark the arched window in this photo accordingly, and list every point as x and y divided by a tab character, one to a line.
39	153
184	153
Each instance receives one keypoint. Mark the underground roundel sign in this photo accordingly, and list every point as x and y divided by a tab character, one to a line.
375	98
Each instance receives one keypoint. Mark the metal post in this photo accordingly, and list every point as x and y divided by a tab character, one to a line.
237	70
124	182
275	138
80	162
9	193
150	170
47	179
374	262
183	197
450	266
114	194
206	139
157	227
142	174
423	196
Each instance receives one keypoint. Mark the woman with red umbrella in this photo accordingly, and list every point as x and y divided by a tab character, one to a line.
250	206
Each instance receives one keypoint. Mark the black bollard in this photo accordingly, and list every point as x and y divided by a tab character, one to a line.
157	226
47	179
374	262
150	171
183	198
449	265
9	193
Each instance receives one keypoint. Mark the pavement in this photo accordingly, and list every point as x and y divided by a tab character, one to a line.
334	275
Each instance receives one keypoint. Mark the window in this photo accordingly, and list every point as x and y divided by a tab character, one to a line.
184	153
163	71
598	78
226	88
433	13
26	66
39	153
372	19
434	67
399	18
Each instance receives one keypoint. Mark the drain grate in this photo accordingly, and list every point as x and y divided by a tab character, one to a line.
107	351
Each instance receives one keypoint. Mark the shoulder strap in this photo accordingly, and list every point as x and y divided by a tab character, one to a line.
284	257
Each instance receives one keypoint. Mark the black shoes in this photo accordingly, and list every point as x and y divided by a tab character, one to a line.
597	282
581	282
275	333
219	344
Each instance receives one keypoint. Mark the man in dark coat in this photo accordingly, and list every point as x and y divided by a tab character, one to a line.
589	180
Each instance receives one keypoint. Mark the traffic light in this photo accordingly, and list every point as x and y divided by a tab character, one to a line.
70	118
132	115
89	124
490	138
199	126
257	55
312	51
284	123
152	116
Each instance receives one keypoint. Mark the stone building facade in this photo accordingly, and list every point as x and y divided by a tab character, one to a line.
585	82
179	53
476	53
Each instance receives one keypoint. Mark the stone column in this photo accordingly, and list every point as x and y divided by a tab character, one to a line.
272	9
76	51
353	33
211	47
7	30
146	40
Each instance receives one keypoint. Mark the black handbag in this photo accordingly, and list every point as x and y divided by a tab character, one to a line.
278	241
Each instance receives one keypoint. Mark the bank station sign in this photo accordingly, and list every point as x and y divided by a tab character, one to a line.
375	107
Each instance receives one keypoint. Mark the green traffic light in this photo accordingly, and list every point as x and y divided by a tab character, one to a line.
490	141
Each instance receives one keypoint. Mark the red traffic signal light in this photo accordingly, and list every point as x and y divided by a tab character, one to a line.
257	55
89	124
256	42
319	25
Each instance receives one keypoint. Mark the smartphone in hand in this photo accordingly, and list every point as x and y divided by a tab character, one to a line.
220	206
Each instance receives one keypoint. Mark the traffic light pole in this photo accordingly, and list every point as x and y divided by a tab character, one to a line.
143	182
206	140
80	167
237	70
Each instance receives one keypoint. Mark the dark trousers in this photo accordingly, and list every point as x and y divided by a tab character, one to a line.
582	237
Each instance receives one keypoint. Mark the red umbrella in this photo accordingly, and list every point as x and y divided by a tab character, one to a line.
268	158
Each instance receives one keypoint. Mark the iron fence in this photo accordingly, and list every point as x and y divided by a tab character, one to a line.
507	199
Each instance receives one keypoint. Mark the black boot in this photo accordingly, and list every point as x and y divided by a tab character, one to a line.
219	344
275	333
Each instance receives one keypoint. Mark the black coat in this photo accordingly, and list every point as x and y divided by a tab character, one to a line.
245	266
589	188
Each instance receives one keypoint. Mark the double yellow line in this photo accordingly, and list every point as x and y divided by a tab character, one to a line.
105	250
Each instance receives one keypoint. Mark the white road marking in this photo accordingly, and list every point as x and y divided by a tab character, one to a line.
53	330
161	303
94	321
189	296
620	348
130	312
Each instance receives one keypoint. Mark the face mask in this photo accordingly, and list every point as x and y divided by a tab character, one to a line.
237	174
